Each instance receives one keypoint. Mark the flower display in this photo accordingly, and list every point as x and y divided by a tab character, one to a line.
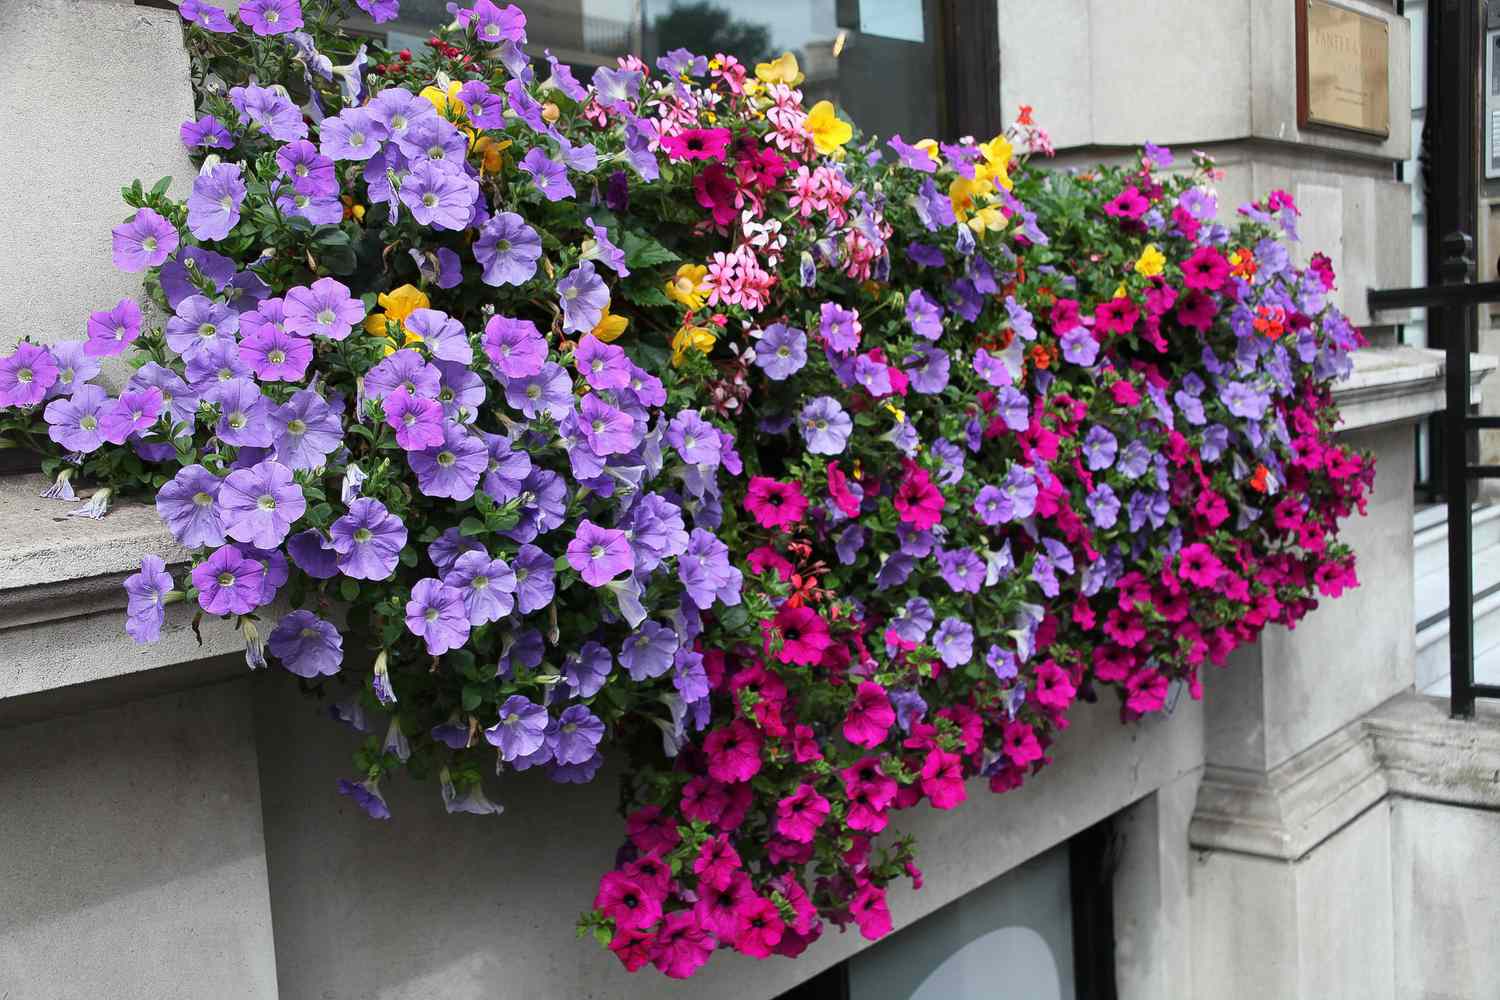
663	418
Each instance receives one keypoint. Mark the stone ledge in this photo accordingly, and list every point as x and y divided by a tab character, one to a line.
1391	384
1408	747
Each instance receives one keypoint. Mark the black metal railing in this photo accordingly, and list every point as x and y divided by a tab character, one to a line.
1455	302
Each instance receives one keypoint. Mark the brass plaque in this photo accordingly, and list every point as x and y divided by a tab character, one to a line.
1344	68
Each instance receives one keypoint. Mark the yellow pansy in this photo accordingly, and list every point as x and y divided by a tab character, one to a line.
491	152
963	192
828	131
997	151
1151	262
447	104
691	338
989	218
782	69
610	326
398	304
687	287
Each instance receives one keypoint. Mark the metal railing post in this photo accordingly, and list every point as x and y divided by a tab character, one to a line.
1458	321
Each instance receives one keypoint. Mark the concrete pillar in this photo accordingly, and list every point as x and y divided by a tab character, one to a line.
133	862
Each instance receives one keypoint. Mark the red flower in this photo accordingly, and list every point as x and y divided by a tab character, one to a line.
632	948
775	504
627	903
799	815
943	779
804	635
761	928
714	191
697	144
733	752
919	503
1118	315
870	716
1206	269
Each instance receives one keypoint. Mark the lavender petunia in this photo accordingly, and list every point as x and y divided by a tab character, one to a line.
577	732
549	176
584	298
825	426
269	110
443	336
599	554
259	504
307	645
507	249
954	641
534	579
111	330
450	469
436	615
515	347
368	540
74	421
781	352
244	414
439	196
228	582
706	573
306	431
488	586
199	322
550	391
521	730
145	608
147	240
214	203
187	505
323	309
648	651
26	374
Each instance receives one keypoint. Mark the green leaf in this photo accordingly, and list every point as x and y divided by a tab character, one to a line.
472	696
643	294
643	251
348	589
471	526
160	187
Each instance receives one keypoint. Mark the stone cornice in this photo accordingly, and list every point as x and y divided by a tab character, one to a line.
1391	384
1407	747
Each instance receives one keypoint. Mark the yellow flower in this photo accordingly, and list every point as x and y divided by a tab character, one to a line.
610	326
447	104
782	69
988	218
491	152
1119	291
828	131
963	192
691	338
398	304
1151	262
687	287
997	151
896	412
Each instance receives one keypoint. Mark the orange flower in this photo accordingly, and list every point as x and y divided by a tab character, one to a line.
1270	320
1041	357
1258	482
1242	263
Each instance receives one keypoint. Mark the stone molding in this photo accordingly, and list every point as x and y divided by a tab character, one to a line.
1408	747
1391	384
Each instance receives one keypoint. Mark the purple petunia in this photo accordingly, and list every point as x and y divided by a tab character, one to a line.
603	366
323	309
258	505
438	195
607	430
307	645
488	586
584	298
443	336
961	570
145	608
206	16
515	347
954	641
187	505
648	651
306	430
198	322
549	176
418	422
243	414
436	615
214	203
521	730
825	426
74	422
550	391
507	249
404	369
781	352
110	330
311	172
229	583
587	669
26	375
599	554
271	17
535	574
925	314
706	573
915	157
145	241
577	732
75	366
840	327
352	134
135	411
368	540
275	356
452	468
269	110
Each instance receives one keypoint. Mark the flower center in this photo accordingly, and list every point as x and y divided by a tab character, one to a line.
24	376
237	421
226	203
362	535
445	458
431	614
266	502
480	582
207	330
356	139
502	246
225	579
202	499
276	356
429	199
88	423
149	244
326	317
296	426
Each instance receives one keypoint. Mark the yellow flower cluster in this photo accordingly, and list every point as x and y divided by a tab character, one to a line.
396	306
